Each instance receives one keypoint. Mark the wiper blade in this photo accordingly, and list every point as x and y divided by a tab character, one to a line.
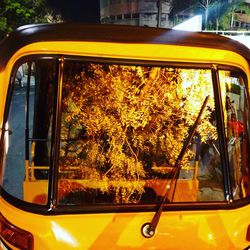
148	229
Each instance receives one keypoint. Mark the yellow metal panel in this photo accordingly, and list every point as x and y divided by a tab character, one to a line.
35	191
176	230
135	51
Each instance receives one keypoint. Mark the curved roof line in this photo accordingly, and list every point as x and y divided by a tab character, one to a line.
114	34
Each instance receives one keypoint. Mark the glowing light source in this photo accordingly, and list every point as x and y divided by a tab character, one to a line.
192	24
62	235
7	138
210	236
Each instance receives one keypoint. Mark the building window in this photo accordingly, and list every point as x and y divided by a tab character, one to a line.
135	15
127	16
119	17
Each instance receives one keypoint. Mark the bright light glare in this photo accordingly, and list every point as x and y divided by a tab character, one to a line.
2	246
186	85
210	236
62	235
192	24
242	39
7	138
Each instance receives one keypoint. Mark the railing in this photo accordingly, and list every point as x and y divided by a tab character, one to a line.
229	32
240	36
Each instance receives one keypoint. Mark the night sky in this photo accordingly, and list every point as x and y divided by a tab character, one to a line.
77	10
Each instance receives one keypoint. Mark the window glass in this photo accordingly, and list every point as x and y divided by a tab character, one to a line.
236	110
123	128
28	138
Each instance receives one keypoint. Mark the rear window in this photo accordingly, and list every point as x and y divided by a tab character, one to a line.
124	133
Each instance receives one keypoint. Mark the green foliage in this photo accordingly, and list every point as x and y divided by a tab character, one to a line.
3	24
226	17
14	13
243	8
225	20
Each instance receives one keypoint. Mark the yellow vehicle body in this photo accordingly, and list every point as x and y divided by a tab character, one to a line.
178	228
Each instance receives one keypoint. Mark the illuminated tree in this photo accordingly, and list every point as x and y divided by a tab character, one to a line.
121	122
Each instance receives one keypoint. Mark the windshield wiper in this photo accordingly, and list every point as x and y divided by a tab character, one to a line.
148	229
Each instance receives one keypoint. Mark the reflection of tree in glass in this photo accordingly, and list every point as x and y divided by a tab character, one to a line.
121	122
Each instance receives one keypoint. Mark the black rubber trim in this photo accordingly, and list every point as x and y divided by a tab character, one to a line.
133	208
221	134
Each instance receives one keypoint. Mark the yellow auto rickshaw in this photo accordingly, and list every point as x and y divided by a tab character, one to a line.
123	138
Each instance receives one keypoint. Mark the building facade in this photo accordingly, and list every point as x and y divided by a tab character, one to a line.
152	13
240	19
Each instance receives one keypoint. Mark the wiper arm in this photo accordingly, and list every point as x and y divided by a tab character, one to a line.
148	229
